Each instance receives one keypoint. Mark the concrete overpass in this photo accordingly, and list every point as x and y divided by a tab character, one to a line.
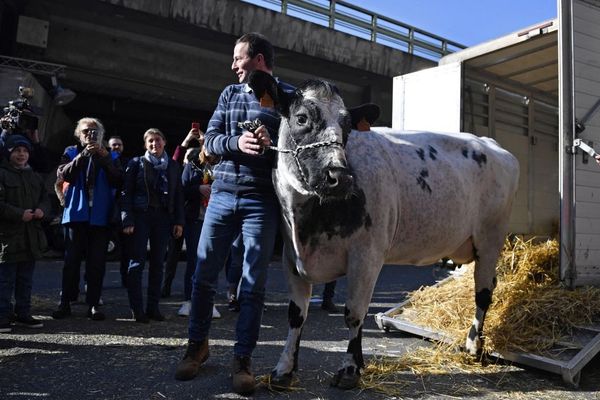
142	63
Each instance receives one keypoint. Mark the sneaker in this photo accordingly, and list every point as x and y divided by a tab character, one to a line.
216	314
243	378
232	302
195	355
62	312
185	308
95	314
5	327
29	322
329	306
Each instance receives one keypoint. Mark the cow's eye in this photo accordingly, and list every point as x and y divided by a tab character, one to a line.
301	119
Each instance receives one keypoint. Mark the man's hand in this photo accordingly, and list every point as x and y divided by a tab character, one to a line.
96	148
597	157
38	214
254	143
128	230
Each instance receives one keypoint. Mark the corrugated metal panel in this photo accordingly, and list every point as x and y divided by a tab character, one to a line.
586	38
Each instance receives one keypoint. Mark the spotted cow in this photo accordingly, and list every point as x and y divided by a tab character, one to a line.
352	201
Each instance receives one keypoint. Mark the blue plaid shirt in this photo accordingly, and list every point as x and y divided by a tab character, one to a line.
237	171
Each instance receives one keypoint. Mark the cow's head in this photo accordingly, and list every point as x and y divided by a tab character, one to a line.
313	132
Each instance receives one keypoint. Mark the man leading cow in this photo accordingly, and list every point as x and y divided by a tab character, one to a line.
242	200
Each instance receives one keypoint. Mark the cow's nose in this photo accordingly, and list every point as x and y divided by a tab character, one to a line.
337	176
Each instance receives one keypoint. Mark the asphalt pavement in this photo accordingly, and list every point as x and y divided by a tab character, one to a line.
118	358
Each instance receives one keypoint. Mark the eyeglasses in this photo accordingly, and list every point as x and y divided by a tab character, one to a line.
89	130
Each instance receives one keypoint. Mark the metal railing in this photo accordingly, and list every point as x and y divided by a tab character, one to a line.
348	18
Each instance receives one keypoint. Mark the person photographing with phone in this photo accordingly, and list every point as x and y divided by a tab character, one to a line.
91	174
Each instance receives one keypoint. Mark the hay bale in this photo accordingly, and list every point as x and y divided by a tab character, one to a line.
530	312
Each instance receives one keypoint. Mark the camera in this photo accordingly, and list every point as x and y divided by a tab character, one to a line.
18	115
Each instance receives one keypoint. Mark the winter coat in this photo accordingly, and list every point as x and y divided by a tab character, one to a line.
135	196
92	185
21	189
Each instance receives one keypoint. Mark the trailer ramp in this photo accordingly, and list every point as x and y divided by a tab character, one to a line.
566	358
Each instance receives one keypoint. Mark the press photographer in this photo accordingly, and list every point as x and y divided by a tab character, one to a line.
19	119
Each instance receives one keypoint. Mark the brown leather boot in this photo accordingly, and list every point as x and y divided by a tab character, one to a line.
243	378
195	355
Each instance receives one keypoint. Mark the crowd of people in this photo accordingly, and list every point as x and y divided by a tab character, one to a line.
214	193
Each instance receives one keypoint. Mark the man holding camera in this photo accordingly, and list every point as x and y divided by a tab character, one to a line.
91	175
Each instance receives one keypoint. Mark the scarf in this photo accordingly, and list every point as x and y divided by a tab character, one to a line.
161	182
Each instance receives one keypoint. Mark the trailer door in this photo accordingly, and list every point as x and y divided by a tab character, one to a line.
428	100
579	63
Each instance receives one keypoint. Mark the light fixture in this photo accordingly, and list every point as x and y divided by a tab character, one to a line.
60	95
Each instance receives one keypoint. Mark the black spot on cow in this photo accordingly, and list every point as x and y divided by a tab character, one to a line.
422	182
479	158
355	348
465	152
421	154
334	218
483	299
432	153
295	319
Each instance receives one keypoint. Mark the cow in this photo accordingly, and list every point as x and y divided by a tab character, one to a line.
352	201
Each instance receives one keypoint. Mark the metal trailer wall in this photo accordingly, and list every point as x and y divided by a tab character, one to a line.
580	183
507	90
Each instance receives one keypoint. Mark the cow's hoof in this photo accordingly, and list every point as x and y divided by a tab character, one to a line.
473	345
346	378
281	382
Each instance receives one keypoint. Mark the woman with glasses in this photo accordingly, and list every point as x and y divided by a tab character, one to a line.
91	176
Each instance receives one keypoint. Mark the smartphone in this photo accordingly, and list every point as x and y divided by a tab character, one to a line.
93	135
196	125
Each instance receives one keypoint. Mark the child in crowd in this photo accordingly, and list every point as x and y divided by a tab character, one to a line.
23	200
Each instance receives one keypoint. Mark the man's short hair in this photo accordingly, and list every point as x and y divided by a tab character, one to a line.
259	44
116	138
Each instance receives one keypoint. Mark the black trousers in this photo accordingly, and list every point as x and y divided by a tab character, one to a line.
89	242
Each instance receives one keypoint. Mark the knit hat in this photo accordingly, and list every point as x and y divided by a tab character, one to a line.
15	141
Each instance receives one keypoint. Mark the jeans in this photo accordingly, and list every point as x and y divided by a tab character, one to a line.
17	276
154	225
256	216
233	266
83	240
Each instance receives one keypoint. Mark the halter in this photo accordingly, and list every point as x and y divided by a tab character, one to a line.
251	126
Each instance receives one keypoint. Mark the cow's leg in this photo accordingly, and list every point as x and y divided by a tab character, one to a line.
300	292
361	278
487	251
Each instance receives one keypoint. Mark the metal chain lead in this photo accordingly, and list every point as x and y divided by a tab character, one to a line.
251	126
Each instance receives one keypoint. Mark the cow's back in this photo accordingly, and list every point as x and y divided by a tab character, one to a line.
429	192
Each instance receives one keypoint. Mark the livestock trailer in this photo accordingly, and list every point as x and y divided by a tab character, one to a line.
535	91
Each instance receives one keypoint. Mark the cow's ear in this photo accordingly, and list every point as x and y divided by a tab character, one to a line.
364	115
267	91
